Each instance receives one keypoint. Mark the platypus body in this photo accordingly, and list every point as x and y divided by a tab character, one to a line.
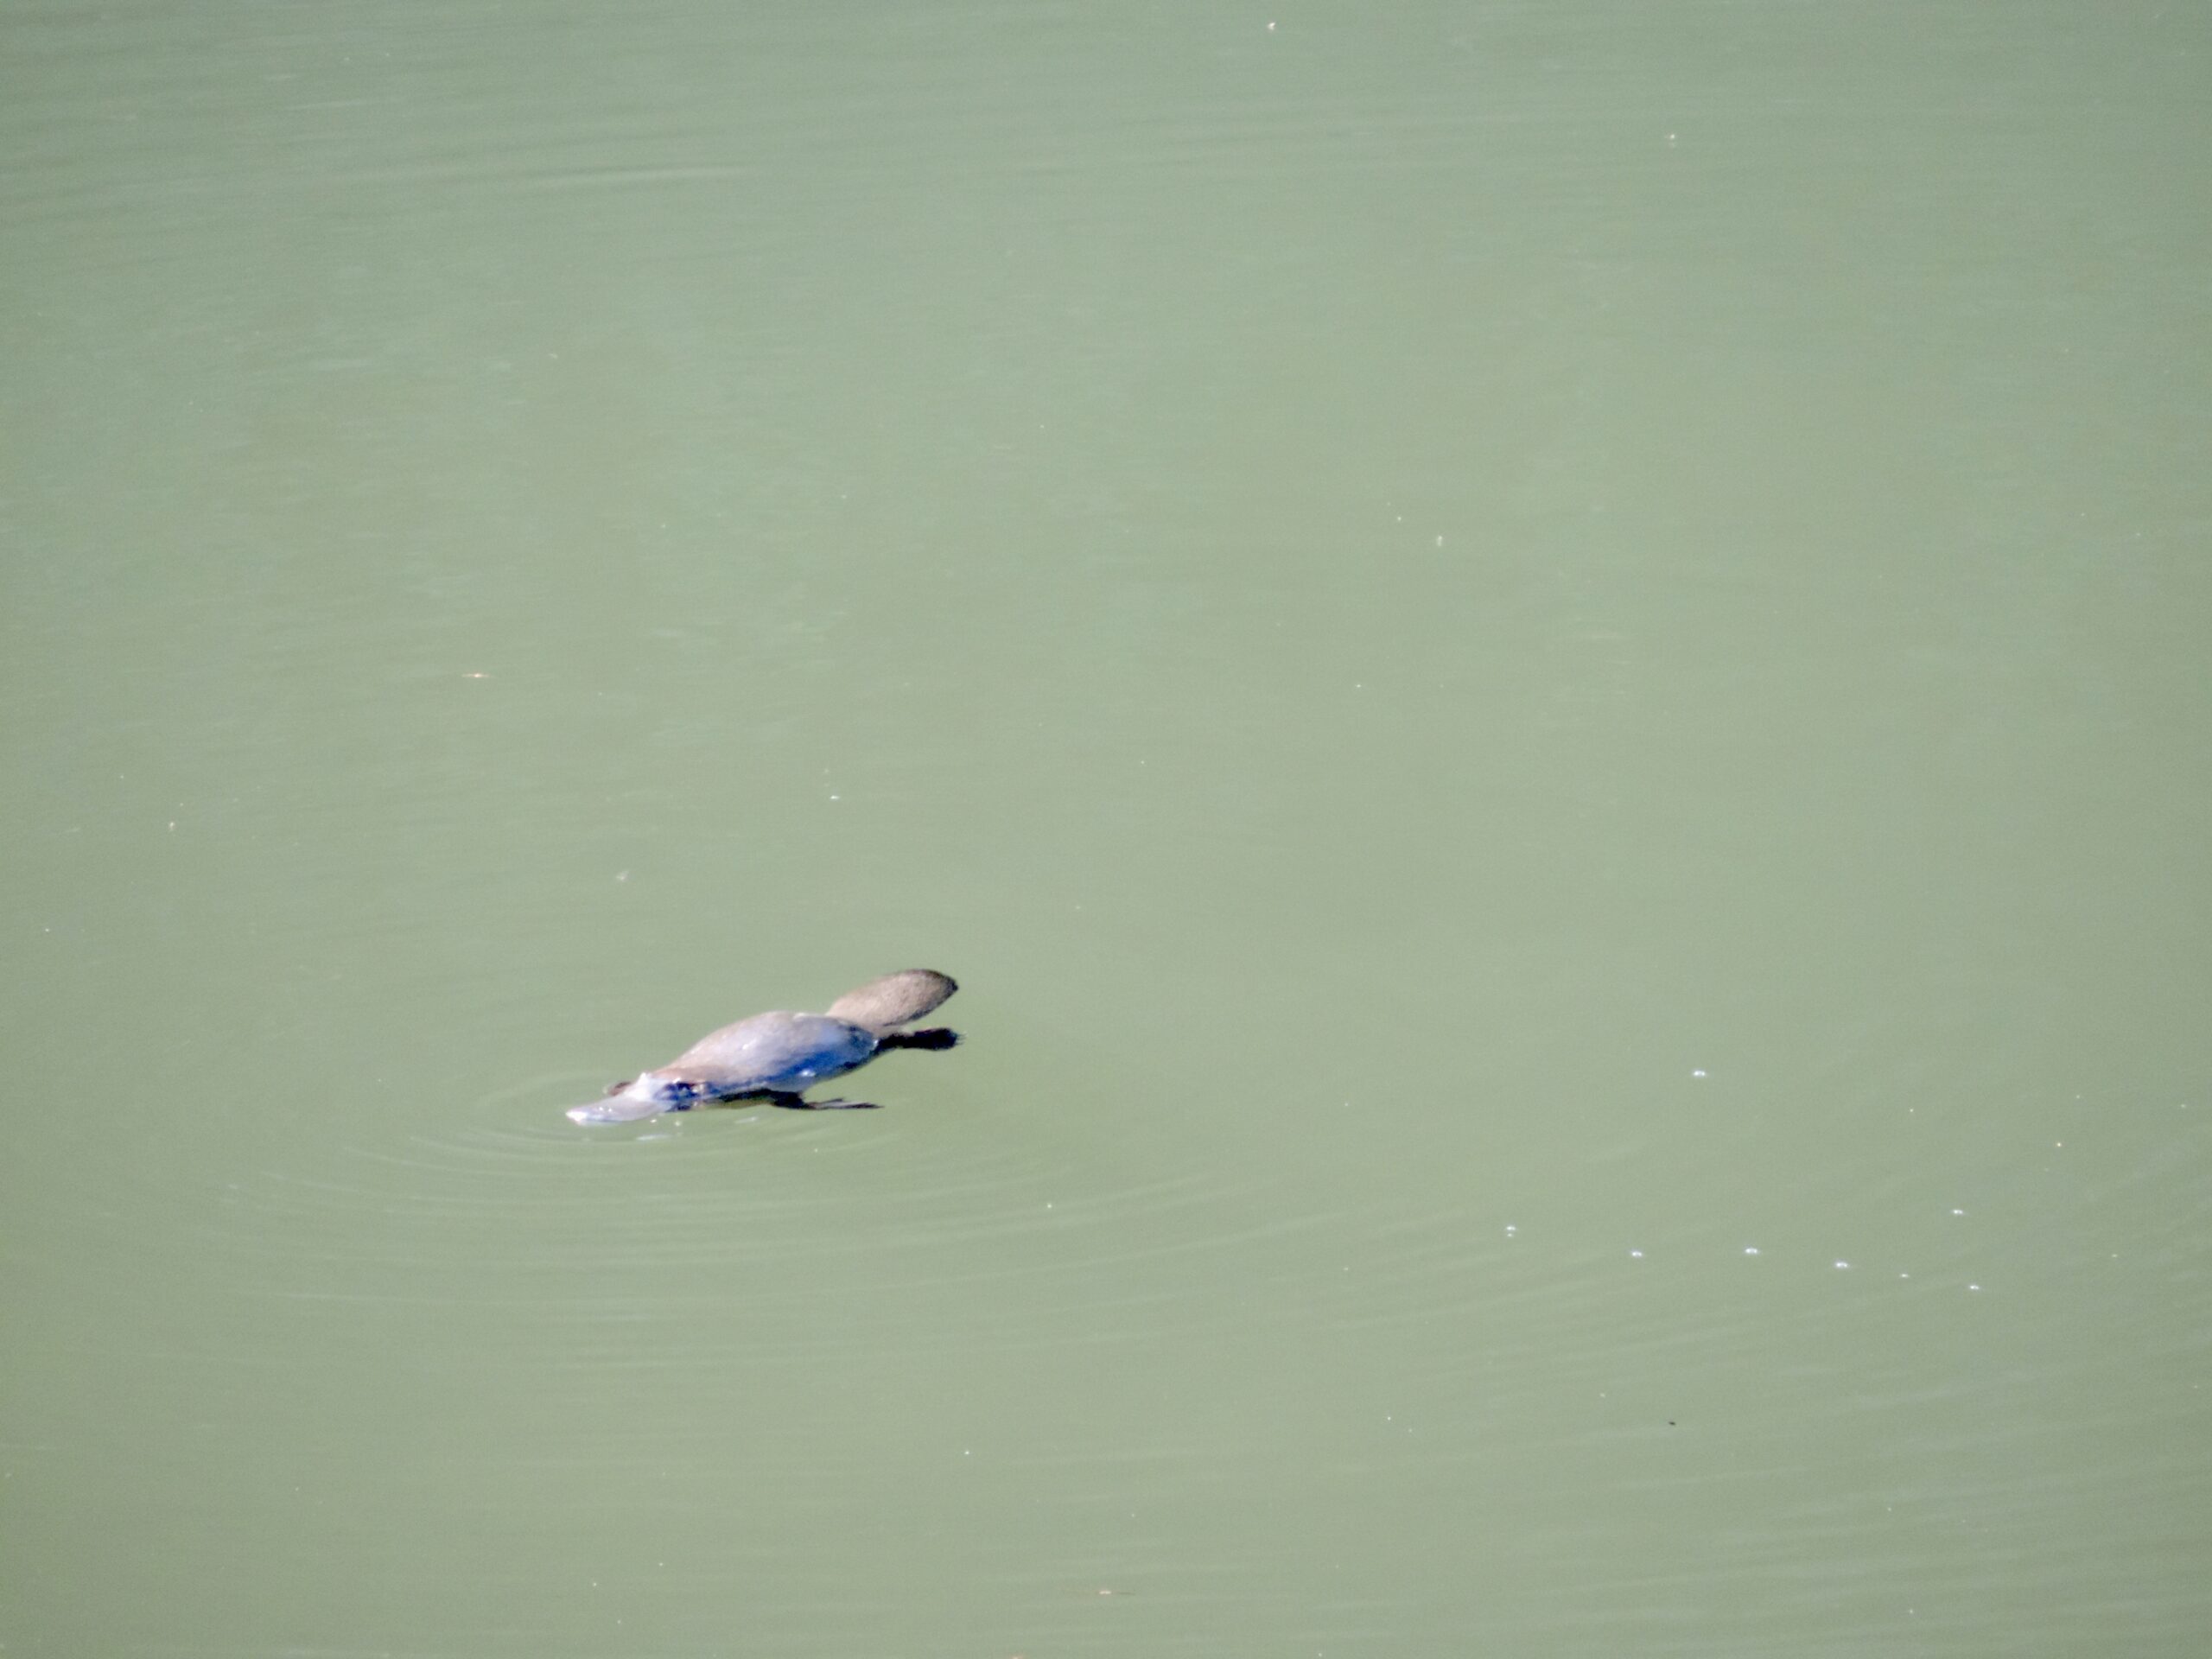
778	1057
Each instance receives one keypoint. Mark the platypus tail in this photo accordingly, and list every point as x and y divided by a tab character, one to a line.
883	1005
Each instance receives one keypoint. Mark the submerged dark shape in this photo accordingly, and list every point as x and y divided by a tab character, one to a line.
778	1057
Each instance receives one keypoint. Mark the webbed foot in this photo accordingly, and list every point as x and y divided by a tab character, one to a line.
936	1037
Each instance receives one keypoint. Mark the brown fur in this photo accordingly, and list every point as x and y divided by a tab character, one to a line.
882	1005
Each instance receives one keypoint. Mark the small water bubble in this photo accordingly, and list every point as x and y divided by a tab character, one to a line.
1636	1255
1750	1249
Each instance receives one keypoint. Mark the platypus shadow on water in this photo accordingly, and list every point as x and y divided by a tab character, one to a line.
777	1058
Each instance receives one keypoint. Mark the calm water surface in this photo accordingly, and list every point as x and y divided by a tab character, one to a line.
1544	668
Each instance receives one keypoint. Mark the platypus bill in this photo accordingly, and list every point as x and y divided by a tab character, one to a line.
777	1058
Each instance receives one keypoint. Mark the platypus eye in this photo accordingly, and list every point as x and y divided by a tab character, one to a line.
618	1087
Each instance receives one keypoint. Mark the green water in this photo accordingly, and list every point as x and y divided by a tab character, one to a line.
1543	668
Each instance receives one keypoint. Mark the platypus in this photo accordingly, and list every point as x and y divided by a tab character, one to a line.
777	1058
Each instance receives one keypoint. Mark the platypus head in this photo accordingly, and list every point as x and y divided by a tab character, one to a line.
642	1096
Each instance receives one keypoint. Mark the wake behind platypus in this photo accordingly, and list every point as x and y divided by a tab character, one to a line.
775	1057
